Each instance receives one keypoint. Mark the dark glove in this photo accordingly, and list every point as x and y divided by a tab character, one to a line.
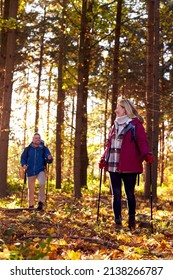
149	158
102	163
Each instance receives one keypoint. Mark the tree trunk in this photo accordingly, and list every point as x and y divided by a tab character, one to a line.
37	115
86	67
48	103
115	73
3	41
152	95
26	97
71	142
162	155
7	95
156	101
105	126
149	88
80	149
60	102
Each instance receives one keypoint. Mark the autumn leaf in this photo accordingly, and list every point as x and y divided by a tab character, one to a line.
71	232
71	255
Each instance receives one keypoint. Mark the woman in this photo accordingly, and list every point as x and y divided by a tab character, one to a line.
126	148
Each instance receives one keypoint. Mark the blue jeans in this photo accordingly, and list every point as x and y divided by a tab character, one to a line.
129	180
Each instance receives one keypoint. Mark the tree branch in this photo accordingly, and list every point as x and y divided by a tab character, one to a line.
87	239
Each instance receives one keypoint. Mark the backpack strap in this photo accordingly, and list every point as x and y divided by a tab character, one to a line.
132	127
27	151
44	152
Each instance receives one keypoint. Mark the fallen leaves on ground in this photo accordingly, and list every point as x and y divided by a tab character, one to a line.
67	229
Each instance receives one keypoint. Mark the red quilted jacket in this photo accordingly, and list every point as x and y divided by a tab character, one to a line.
133	152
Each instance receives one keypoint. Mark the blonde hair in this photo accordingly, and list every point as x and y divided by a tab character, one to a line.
130	109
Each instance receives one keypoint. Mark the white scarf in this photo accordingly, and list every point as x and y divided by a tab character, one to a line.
121	122
116	142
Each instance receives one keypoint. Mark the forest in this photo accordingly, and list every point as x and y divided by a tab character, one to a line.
63	66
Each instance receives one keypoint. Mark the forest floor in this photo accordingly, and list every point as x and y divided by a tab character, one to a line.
67	229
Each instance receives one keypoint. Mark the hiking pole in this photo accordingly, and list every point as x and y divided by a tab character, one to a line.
98	206
24	184
47	184
151	199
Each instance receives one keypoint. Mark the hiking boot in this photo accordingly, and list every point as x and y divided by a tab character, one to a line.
118	227
118	221
132	222
40	206
118	224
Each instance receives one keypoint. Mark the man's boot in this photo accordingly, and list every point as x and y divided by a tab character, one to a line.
40	206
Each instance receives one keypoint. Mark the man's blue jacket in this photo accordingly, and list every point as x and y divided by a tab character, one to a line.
35	158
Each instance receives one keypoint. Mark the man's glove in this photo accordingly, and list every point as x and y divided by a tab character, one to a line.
149	158
102	163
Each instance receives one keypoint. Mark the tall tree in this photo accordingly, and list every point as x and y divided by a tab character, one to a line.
115	72
60	99
7	94
40	68
86	69
149	86
3	47
156	96
152	93
80	149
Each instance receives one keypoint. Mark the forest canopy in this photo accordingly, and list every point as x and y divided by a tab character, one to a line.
64	64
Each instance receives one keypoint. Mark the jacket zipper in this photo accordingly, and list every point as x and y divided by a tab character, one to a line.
35	160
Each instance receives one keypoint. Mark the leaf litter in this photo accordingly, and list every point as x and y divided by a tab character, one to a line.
67	229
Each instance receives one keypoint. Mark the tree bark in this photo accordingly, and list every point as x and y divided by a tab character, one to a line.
3	40
149	88
7	96
37	115
115	73
60	102
152	95
162	155
156	100
80	149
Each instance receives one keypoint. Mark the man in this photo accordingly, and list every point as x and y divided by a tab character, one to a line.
33	161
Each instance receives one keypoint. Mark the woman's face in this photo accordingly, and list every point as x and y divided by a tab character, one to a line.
120	111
